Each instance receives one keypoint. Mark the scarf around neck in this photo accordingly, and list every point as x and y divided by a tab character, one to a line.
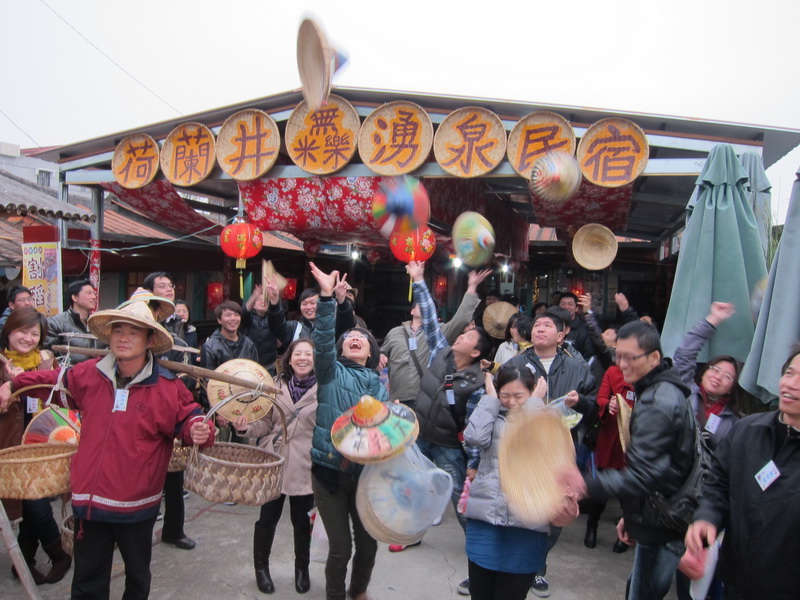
27	361
299	387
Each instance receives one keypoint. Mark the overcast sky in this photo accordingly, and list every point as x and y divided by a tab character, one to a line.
731	60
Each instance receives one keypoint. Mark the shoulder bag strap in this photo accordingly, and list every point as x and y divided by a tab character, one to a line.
412	352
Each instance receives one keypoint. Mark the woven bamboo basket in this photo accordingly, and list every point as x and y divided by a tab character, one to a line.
238	473
34	471
180	455
67	527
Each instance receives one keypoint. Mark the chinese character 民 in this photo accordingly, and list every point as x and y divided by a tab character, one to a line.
536	142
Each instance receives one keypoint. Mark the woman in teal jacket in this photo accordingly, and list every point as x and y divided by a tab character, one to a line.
345	371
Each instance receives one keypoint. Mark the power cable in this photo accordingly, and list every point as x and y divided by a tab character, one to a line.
28	135
111	60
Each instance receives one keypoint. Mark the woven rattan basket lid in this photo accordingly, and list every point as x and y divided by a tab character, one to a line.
135	161
594	247
613	152
535	450
315	63
241	368
248	144
535	135
495	318
396	138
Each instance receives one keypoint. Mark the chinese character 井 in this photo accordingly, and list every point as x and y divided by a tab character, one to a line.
250	147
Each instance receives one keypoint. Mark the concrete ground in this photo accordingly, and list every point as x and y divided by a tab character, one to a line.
221	566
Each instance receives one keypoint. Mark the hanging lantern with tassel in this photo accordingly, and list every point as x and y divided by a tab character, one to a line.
241	240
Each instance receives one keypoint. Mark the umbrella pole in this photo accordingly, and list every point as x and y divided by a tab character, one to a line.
17	559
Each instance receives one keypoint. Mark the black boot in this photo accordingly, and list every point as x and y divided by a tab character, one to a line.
590	539
61	562
262	546
29	549
302	555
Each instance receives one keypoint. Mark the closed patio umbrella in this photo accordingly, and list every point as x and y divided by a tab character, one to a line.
778	325
758	192
720	259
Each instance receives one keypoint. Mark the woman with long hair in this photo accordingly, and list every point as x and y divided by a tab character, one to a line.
345	370
21	339
298	401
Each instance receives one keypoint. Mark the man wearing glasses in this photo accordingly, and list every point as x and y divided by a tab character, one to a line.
659	457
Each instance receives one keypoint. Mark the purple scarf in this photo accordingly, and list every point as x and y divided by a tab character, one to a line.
298	387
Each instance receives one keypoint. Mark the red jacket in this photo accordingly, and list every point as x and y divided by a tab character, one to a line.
118	473
608	451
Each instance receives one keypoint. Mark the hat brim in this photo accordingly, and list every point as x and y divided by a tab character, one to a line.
495	318
251	408
386	437
101	322
164	306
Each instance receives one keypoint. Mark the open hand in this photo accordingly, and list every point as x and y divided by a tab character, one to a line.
326	281
475	278
416	270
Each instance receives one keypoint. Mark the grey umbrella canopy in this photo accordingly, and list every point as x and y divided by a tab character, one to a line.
778	325
720	260
758	192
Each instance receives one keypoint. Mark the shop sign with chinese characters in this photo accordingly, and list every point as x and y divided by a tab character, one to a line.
534	136
322	141
613	152
396	138
248	144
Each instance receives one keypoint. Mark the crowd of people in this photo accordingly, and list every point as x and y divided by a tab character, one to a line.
638	416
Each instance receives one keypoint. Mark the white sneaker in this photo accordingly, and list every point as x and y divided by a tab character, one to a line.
437	522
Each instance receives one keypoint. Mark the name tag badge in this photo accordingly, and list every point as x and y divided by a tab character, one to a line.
712	423
412	343
767	476
451	397
32	405
631	395
121	401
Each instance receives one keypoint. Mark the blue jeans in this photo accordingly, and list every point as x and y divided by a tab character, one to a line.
452	461
653	569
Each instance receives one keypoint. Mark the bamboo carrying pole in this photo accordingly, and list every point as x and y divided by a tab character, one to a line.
194	371
17	559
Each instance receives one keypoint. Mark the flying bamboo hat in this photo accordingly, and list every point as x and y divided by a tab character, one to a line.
495	318
594	247
251	406
536	448
372	431
162	308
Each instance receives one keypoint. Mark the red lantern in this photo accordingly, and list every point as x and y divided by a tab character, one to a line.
213	296
440	288
241	240
290	291
418	244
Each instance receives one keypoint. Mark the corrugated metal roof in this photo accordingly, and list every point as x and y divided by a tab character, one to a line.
21	197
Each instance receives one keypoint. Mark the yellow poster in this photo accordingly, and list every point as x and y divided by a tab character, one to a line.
41	274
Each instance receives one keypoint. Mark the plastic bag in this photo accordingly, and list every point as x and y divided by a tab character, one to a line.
570	416
399	499
319	539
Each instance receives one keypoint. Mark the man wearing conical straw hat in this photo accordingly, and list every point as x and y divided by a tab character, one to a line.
131	410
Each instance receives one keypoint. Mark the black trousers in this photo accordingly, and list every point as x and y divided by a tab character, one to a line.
299	507
485	584
94	554
173	506
338	510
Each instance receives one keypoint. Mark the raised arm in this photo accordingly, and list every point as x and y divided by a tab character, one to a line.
453	328
685	357
323	334
430	322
